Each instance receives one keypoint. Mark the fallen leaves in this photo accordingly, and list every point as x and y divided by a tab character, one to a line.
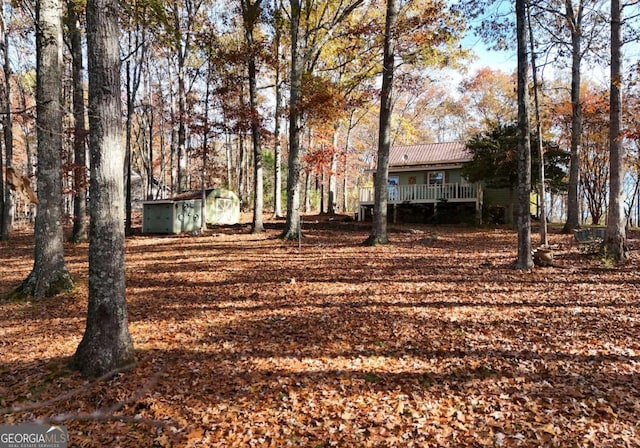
261	344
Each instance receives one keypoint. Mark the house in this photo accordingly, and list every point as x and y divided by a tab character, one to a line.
426	185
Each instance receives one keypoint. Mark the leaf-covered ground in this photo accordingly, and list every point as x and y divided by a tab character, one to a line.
250	341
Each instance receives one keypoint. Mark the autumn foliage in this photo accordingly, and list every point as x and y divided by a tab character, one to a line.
246	340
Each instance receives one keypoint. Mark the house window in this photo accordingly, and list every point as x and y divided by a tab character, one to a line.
435	178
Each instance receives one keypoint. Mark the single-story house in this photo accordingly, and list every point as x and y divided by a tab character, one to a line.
426	184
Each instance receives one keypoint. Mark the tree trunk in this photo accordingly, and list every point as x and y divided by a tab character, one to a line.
292	224
541	184
205	148
277	147
250	13
615	241
241	173
333	173
183	179
49	275
525	260
574	19
307	192
345	201
2	201
320	179
79	233
133	79
27	130
127	151
106	344
7	209
379	227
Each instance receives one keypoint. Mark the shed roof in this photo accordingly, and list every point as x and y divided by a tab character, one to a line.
429	153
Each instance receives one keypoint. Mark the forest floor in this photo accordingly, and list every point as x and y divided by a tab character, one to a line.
249	341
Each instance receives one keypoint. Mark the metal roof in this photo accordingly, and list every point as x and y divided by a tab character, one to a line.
430	153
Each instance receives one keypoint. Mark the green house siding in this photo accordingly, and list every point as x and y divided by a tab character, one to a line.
507	200
500	205
421	177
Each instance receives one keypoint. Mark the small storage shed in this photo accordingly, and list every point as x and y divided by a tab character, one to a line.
223	207
171	216
183	212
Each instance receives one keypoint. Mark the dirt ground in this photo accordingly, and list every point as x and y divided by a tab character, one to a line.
250	341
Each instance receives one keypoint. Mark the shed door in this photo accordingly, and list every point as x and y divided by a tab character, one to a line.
224	209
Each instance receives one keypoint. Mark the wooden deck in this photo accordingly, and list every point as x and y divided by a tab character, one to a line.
425	194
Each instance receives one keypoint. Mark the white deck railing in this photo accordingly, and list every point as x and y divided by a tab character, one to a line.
424	193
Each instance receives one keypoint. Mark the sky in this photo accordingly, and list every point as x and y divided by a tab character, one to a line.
502	60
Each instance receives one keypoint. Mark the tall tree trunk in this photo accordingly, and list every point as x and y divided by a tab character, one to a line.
574	19
27	130
525	260
250	13
205	150
229	160
49	275
277	147
174	138
345	201
149	149
106	344
79	233
127	151
242	173
333	175
2	201
320	179
134	77
277	162
307	192
7	205
183	178
292	224
205	145
615	241
381	194
541	184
